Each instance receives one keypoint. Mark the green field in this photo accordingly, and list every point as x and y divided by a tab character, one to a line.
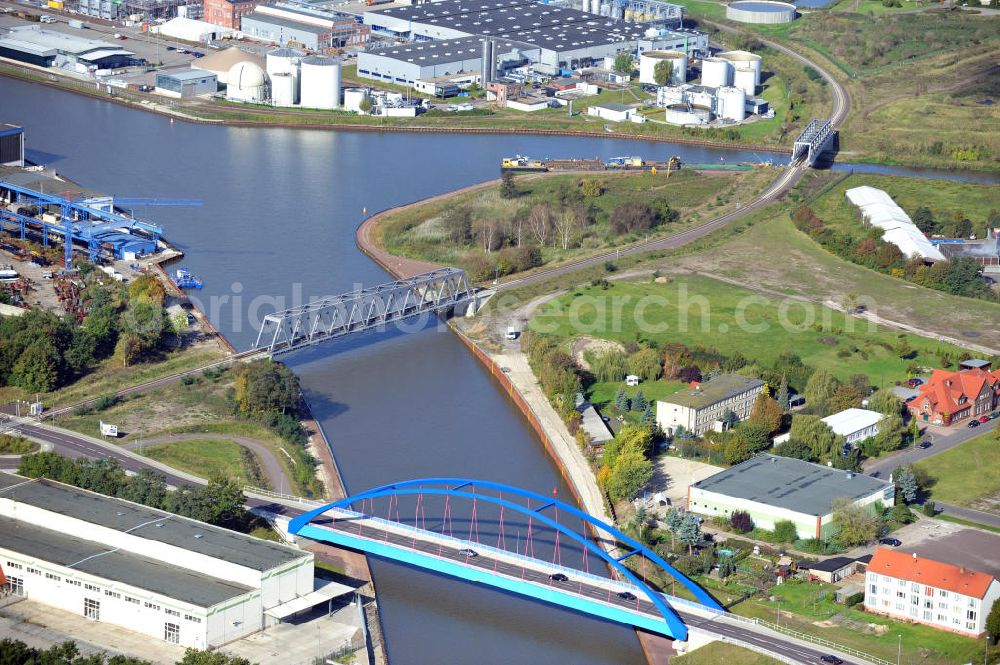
804	610
205	458
967	473
717	653
696	310
603	392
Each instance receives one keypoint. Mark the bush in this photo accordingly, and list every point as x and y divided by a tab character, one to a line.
741	521
785	532
187	380
854	599
929	509
105	402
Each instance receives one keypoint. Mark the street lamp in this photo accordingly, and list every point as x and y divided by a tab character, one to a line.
899	652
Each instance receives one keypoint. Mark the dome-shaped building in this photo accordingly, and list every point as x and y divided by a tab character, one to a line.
247	82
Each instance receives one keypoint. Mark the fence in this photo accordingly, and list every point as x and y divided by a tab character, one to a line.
812	639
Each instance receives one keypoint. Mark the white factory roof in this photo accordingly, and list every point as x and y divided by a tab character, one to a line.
846	422
191	30
882	212
44	41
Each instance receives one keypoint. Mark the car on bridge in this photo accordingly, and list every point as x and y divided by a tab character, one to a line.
626	595
470	553
558	577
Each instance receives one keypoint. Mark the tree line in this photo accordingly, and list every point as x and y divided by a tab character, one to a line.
41	351
16	652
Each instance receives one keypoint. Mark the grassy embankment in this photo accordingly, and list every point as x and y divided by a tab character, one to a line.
202	407
207	458
966	475
719	652
15	445
917	81
419	232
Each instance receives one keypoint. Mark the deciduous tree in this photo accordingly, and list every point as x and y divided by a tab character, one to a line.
856	525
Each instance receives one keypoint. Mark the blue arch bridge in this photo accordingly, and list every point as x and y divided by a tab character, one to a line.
413	522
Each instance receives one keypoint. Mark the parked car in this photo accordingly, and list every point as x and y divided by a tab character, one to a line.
984	419
994	415
626	595
469	553
558	577
181	49
171	48
914	382
925	445
891	542
198	54
973	423
831	659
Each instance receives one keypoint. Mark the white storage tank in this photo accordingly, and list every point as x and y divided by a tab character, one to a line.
681	114
716	72
744	79
649	60
319	82
744	60
247	82
285	61
283	89
353	98
731	104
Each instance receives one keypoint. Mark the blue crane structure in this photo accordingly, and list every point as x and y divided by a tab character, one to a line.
92	221
472	560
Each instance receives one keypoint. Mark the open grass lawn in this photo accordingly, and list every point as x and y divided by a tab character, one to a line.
803	610
697	310
603	393
716	653
418	232
945	198
204	458
874	7
774	253
967	472
708	8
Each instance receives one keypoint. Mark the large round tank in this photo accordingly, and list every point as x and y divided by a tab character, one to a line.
744	79
744	60
716	72
353	98
319	82
649	60
681	114
283	89
731	104
247	82
283	60
760	11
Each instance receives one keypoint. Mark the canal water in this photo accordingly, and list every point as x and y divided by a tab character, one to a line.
277	229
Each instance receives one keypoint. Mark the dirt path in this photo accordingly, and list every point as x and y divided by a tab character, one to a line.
270	464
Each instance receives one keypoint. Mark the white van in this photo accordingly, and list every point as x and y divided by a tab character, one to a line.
45	18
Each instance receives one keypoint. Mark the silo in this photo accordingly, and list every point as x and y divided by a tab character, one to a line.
493	60
320	82
285	61
744	60
353	98
716	72
743	78
484	62
649	60
283	89
731	104
247	83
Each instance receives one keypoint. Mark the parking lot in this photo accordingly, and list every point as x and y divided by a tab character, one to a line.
953	543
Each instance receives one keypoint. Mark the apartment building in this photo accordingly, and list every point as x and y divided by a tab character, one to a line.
945	596
699	407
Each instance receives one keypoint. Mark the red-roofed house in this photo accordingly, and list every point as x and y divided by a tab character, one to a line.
905	586
950	397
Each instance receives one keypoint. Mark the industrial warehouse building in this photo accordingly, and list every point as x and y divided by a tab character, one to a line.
169	577
424	61
566	38
186	83
700	407
288	24
46	48
773	488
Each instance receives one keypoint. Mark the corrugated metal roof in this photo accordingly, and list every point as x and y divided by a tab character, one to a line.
882	212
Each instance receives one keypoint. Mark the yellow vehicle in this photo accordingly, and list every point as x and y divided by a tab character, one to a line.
520	163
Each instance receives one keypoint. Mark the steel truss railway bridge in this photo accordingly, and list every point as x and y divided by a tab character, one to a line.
816	139
438	291
497	559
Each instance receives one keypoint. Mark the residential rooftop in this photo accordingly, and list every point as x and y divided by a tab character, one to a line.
134	570
149	523
937	574
715	390
792	484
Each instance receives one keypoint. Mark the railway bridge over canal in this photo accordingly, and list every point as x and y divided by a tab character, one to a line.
438	291
815	140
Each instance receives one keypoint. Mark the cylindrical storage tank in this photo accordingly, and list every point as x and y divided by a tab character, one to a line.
760	11
353	98
493	60
649	60
484	62
716	72
285	61
744	80
319	82
283	89
247	82
744	60
679	114
731	104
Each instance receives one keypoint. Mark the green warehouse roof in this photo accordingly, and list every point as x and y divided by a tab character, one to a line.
715	390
